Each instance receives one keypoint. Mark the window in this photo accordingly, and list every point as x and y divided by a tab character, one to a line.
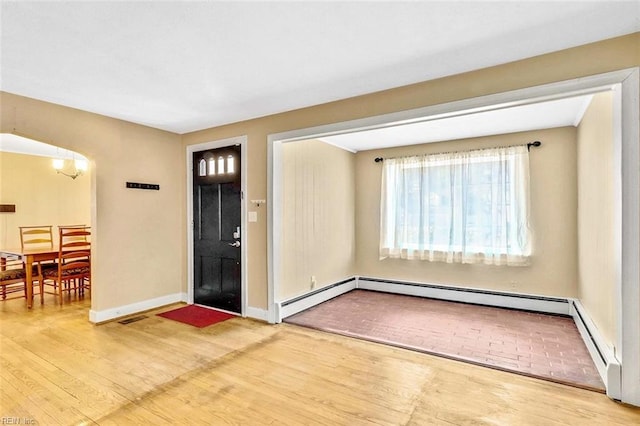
231	167
465	207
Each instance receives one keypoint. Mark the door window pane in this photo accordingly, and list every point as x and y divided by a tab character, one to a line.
231	167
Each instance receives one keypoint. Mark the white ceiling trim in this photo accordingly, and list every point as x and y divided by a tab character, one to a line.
21	145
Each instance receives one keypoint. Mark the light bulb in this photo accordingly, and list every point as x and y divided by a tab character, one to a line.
58	163
81	165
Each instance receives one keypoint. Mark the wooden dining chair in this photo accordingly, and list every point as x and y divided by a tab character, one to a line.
73	271
13	279
33	237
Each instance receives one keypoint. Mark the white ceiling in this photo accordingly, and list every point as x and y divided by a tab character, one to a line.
184	66
536	116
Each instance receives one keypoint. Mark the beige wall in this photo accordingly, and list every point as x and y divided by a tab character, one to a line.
138	236
609	55
318	216
597	260
41	196
553	269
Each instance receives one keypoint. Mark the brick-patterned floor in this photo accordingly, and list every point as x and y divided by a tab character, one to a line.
539	345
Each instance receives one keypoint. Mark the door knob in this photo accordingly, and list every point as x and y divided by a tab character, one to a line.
234	244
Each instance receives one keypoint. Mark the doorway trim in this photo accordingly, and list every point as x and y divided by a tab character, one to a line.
626	86
221	143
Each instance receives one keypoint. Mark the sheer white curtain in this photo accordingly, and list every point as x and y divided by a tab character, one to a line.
465	207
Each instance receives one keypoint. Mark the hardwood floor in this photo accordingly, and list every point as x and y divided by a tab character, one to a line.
57	368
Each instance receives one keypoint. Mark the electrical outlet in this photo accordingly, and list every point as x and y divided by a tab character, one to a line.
514	285
313	281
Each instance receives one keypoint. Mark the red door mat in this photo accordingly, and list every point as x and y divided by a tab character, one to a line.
196	316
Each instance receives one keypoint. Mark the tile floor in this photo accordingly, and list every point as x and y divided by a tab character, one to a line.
539	345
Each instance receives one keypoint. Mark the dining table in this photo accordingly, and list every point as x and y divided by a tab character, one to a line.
29	256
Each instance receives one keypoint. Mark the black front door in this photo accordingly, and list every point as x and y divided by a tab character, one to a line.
217	193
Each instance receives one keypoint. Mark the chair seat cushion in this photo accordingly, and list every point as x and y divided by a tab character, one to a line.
45	266
53	273
12	274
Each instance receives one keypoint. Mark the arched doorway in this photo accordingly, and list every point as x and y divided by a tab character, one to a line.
43	185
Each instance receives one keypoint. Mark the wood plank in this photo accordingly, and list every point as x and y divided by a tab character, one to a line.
57	368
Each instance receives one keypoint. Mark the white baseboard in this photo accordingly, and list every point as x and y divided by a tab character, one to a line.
257	313
145	305
603	357
552	305
290	307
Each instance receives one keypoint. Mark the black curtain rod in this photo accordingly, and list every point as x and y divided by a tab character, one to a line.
529	145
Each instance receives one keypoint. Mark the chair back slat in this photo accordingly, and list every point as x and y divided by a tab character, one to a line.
82	237
35	231
75	244
71	234
37	240
77	254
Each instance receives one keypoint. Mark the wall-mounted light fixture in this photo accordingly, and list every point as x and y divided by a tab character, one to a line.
79	165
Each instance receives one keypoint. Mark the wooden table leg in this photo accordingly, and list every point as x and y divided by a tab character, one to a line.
29	280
